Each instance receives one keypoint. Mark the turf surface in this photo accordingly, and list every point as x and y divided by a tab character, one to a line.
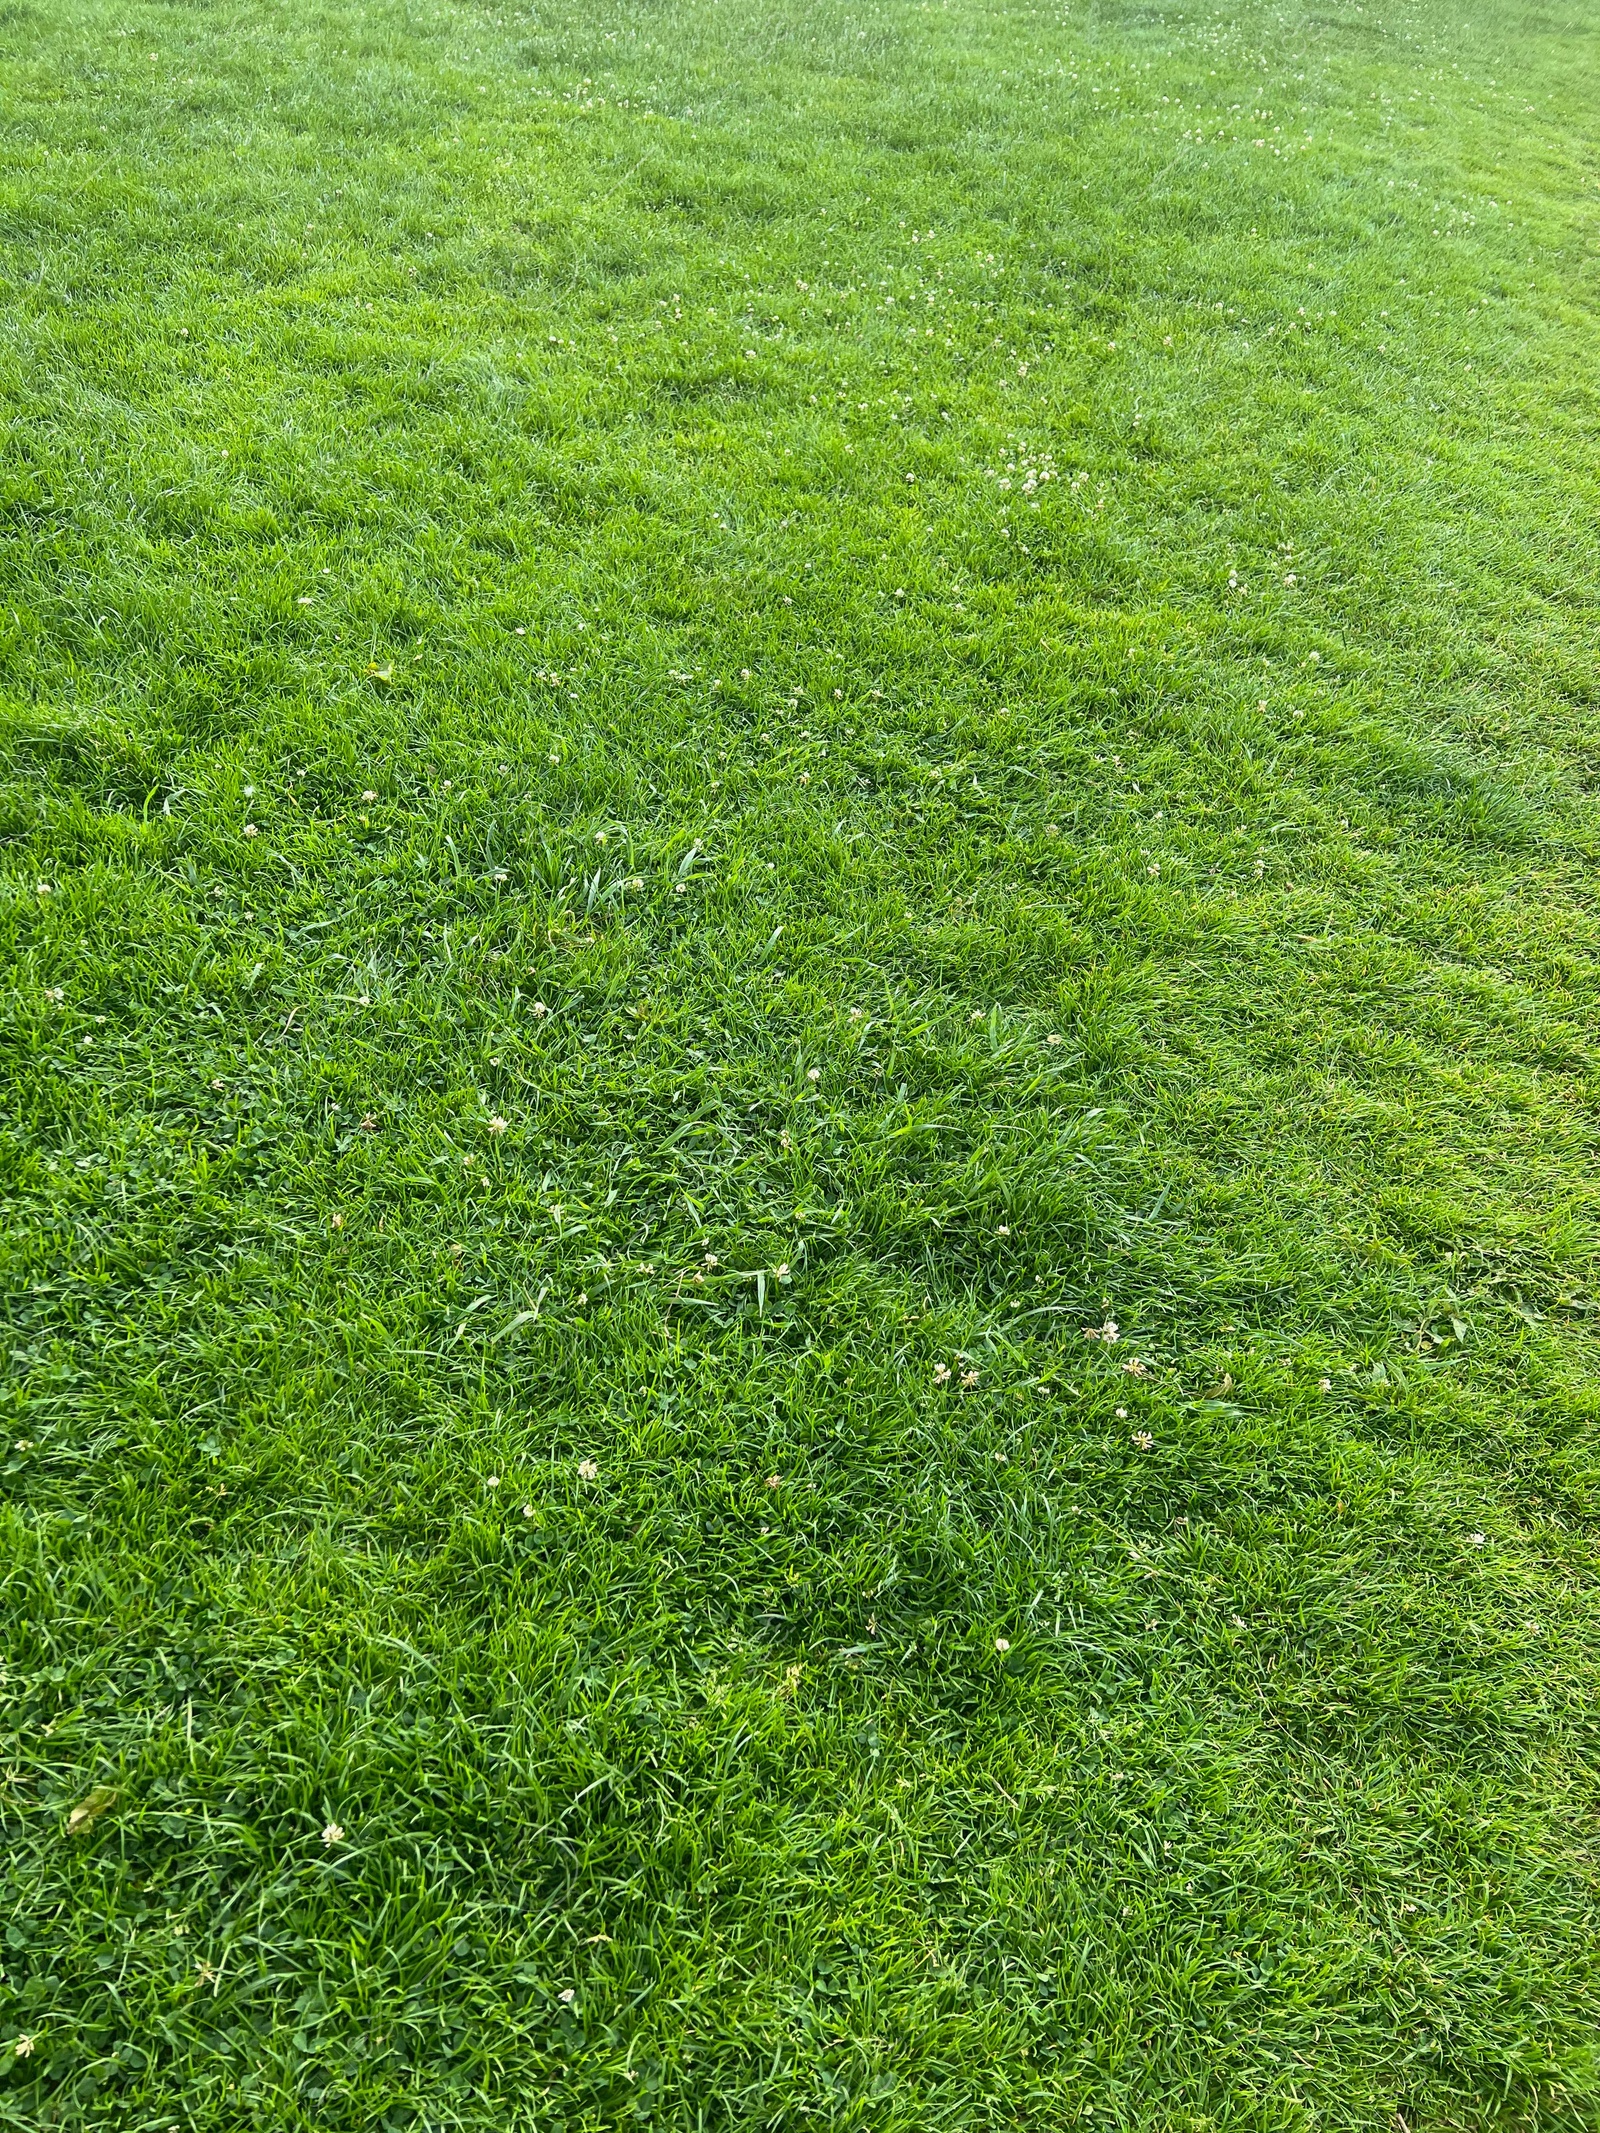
799	1218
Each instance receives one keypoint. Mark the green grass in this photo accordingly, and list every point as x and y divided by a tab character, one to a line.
596	867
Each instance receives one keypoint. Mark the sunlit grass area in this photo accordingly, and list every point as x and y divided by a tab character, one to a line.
799	1014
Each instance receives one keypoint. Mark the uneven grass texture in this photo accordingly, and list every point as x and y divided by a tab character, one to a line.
797	848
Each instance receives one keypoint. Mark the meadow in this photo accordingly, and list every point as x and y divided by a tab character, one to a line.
798	1208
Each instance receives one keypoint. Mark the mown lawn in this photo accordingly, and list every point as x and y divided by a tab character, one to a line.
799	1009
